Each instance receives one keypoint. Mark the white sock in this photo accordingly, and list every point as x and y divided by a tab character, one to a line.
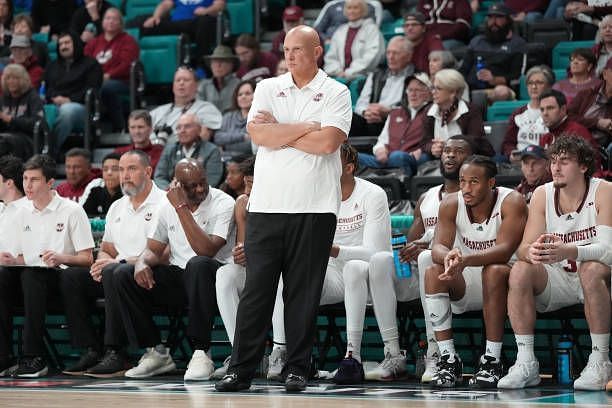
600	346
391	339
493	349
432	348
279	346
353	343
524	344
447	347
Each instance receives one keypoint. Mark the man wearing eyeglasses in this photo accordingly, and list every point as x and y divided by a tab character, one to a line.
423	42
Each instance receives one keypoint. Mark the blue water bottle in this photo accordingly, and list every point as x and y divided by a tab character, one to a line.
398	241
480	65
42	92
564	360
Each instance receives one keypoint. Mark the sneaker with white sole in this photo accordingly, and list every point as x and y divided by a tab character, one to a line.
200	368
488	372
521	375
450	372
31	367
222	371
595	376
152	363
431	368
278	359
390	369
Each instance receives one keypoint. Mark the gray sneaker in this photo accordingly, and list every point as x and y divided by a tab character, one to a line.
278	358
221	371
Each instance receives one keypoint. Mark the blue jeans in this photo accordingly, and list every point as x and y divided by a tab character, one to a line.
403	160
111	94
555	9
71	118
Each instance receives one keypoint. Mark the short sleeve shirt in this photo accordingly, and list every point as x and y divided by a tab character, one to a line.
9	214
288	180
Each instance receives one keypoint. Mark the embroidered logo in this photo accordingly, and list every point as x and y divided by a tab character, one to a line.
59	227
356	206
479	228
117	220
27	229
318	97
281	94
171	228
569	217
399	119
148	216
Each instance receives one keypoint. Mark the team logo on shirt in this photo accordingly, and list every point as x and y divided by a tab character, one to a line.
27	229
171	228
59	227
281	94
569	217
399	119
148	216
356	206
117	220
318	97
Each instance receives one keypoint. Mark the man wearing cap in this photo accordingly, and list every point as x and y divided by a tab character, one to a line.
383	89
534	166
500	50
399	141
21	53
451	21
423	41
293	16
219	89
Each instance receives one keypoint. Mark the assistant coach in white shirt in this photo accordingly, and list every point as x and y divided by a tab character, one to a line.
298	120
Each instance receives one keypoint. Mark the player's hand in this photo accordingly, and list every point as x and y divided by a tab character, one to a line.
411	251
453	265
239	255
548	249
143	275
263	117
96	268
176	194
51	258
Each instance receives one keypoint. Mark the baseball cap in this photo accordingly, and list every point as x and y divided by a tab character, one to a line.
499	9
293	13
534	151
422	77
415	15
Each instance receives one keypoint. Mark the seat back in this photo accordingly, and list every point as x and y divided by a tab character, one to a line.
495	133
134	8
241	16
160	56
563	50
549	32
501	110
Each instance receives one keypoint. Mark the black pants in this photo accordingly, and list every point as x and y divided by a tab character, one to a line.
360	127
79	293
32	288
298	245
196	284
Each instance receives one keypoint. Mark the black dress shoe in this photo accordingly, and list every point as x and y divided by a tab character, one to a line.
231	383
295	383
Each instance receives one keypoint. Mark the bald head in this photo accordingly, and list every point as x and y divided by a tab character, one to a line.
306	34
191	176
302	50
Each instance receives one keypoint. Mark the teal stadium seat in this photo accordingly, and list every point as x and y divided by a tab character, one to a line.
559	75
477	19
241	15
135	8
52	47
160	56
40	37
563	50
501	110
390	30
354	86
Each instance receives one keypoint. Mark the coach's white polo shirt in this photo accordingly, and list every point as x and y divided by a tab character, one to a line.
62	227
288	180
128	228
215	216
9	224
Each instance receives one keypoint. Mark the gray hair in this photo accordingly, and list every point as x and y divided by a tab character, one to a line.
447	58
19	72
546	72
362	3
407	45
452	80
606	20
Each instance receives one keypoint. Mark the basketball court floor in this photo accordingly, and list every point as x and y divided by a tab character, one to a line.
171	391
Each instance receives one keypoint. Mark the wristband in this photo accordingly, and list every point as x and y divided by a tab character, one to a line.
181	205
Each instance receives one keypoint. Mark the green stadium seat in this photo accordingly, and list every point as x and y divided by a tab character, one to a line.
390	30
52	47
354	85
134	32
501	110
563	50
477	19
523	94
160	55
134	8
40	37
241	16
50	114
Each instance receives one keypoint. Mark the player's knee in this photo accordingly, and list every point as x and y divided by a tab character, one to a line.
355	272
592	274
381	265
226	277
520	275
495	274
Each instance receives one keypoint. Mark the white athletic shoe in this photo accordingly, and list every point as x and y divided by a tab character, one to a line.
521	375
277	361
390	369
595	376
431	368
200	368
152	363
222	371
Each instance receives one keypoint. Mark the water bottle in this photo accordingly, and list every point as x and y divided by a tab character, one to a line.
419	365
480	65
564	360
42	92
398	241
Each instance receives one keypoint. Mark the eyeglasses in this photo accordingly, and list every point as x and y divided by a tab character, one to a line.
185	126
536	83
416	90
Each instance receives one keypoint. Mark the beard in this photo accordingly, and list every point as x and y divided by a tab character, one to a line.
132	190
499	35
559	184
449	175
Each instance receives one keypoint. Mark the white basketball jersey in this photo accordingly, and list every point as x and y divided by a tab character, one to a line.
577	227
472	237
429	211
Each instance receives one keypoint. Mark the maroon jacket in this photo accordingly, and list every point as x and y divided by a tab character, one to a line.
115	56
405	133
526	6
154	151
66	190
581	104
567	128
420	55
447	19
263	67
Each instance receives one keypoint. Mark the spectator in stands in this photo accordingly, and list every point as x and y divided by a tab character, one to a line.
281	68
233	136
332	16
189	145
581	74
219	89
450	21
293	16
423	41
13	199
79	174
356	47
139	126
553	107
6	16
399	143
500	50
196	226
52	16
196	18
21	53
383	89
603	49
101	193
67	80
449	115
23	25
115	50
585	17
592	108
535	169
234	183
525	125
165	117
86	21
46	214
442	59
255	64
20	109
527	11
129	221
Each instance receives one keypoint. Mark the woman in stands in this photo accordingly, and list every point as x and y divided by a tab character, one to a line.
234	175
20	109
581	74
450	115
233	136
525	125
443	59
356	47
